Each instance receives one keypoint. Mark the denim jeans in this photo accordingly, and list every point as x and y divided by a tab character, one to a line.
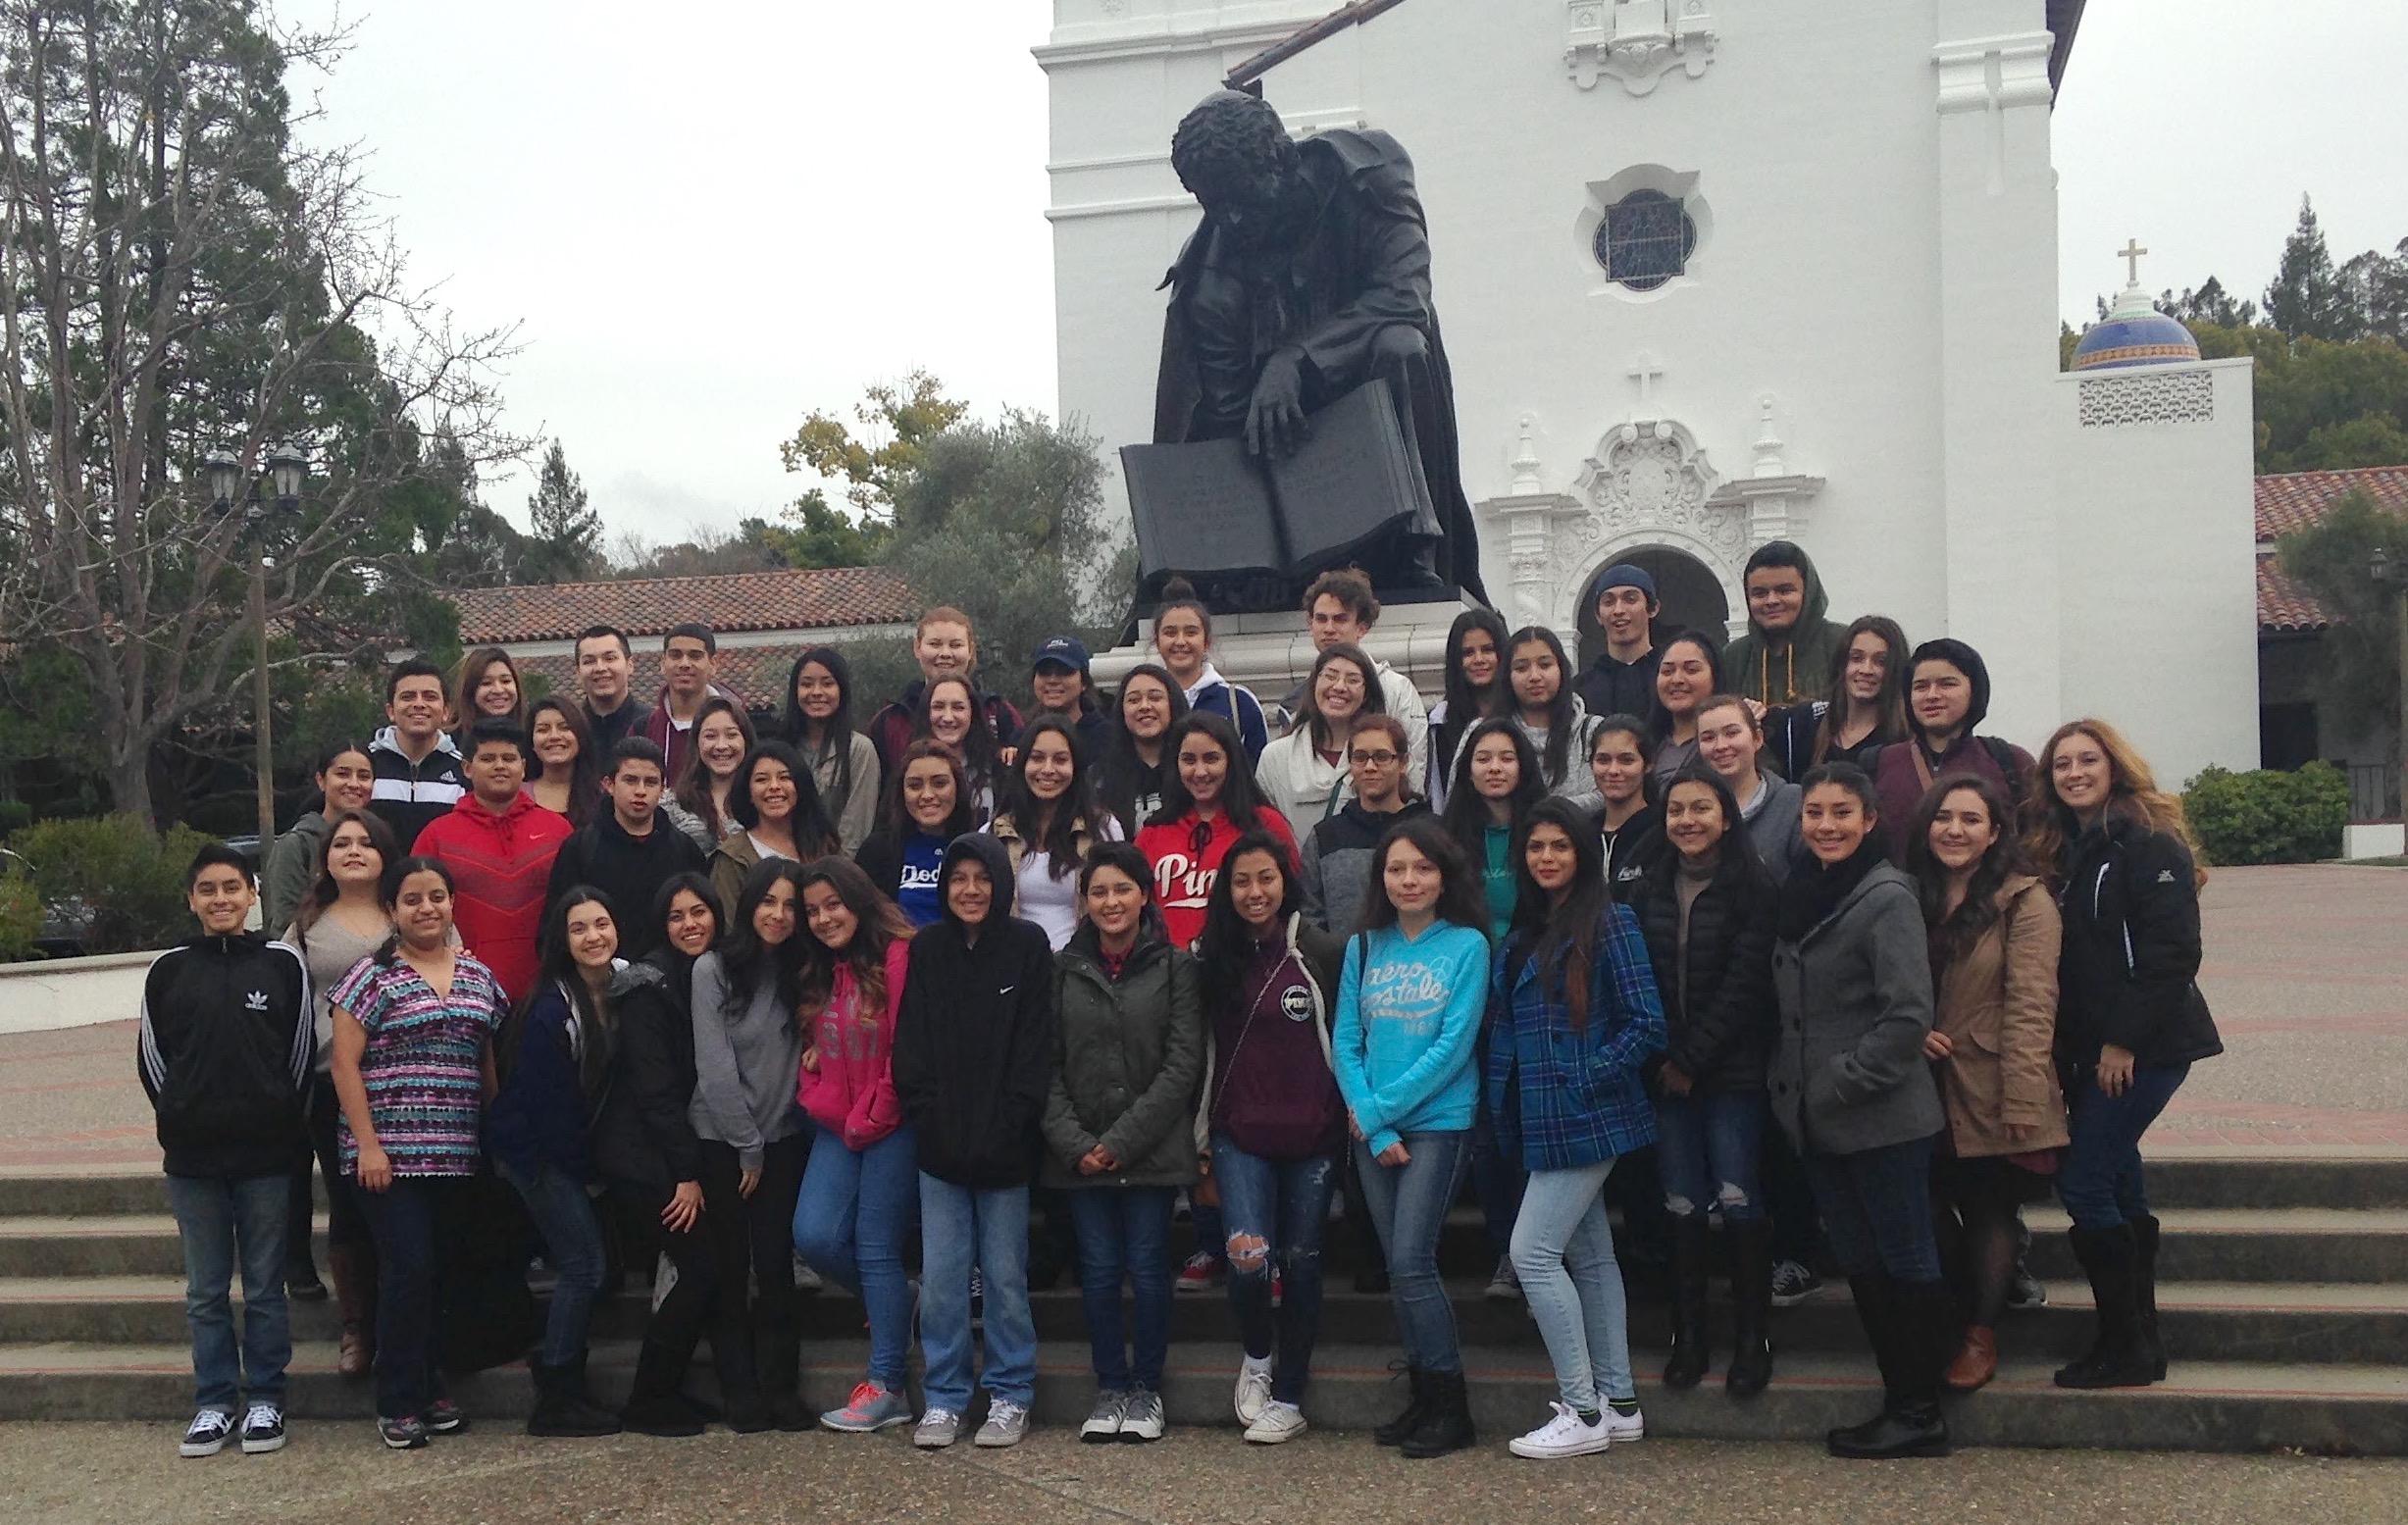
1877	1206
223	1223
1707	1148
2099	1180
1124	1235
1285	1203
410	1220
856	1211
1564	1254
573	1243
962	1228
1408	1208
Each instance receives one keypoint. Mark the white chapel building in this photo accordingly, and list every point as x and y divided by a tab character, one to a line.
1712	273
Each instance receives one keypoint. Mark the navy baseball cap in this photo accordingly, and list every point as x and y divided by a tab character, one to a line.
1063	650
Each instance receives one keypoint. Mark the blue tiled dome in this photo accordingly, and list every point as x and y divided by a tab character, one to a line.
2134	334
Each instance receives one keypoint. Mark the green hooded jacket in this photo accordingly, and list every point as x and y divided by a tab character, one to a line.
1793	667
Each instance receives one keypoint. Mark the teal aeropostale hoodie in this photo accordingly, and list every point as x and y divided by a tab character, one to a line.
1409	1023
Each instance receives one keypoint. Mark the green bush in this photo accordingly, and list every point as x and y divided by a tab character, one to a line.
129	880
20	916
2268	816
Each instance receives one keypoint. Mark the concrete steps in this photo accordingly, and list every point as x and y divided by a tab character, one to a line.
2284	1308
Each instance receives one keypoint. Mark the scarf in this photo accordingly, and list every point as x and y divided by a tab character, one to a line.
1814	888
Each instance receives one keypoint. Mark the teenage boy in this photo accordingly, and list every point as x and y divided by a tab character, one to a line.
690	675
1336	856
500	845
606	678
418	776
1340	611
631	852
946	646
1786	654
1065	689
1622	678
226	1052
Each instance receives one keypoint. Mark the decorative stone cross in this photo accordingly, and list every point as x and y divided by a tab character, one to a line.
1647	370
2131	254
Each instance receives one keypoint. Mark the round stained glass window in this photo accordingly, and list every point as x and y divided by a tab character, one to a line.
1645	239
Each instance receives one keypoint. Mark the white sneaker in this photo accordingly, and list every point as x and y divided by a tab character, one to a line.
1103	1422
1565	1435
1253	1389
1141	1417
1007	1422
1625	1427
1278	1422
937	1428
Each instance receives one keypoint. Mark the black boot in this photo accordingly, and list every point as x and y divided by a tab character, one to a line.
654	1404
1446	1425
1393	1433
1690	1341
561	1406
1752	1308
2119	1359
1921	1335
1873	1295
2144	1294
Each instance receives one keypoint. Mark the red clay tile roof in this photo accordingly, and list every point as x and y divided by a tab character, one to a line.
741	601
2295	501
2298	499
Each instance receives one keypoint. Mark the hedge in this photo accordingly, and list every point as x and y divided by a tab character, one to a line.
128	879
2269	815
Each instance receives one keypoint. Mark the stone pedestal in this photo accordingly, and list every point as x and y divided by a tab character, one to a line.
1270	653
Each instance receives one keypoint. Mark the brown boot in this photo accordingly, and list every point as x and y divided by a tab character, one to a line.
1976	1360
354	1268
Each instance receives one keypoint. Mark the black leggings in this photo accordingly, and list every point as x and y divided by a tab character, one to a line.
344	1223
757	1231
1974	1208
685	1314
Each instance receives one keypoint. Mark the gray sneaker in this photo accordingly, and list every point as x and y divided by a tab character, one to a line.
1103	1424
1504	1285
1007	1422
937	1428
1141	1418
1793	1282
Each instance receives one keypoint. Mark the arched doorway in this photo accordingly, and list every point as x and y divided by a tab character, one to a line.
1691	597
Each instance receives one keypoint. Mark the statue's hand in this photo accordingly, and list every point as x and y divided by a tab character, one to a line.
1276	422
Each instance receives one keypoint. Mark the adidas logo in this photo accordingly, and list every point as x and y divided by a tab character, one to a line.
2165	876
256	1001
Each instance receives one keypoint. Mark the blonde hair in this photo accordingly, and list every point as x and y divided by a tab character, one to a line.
2132	791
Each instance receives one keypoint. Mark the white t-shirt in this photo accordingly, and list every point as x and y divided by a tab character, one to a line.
1054	903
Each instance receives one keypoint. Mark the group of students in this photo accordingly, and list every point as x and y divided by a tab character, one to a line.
1136	951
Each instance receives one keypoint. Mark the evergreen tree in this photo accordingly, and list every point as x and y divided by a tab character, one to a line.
2308	298
564	542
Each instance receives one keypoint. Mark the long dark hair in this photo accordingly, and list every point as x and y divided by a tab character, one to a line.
1562	934
703	890
896	822
557	969
814	834
694	778
1641	737
1959	930
1308	717
1058	837
397	872
1120	766
323	890
1125	857
1239	800
1227	941
1739	858
979	746
1463	895
1557	759
880	925
798	726
1466	817
1467	704
1892	725
586	773
1660	719
473	668
749	962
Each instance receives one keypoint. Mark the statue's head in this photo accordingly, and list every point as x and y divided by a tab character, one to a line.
1234	154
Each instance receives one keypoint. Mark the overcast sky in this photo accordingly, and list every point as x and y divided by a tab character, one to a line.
710	218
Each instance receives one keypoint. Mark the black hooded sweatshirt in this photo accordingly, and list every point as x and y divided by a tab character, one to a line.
224	1052
974	1036
1904	770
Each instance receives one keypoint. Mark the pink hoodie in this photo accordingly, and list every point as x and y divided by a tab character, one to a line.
852	1094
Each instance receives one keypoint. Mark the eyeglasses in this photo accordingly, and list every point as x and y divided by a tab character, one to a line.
1374	759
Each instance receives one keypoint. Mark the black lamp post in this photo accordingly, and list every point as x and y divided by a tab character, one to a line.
2393	575
288	469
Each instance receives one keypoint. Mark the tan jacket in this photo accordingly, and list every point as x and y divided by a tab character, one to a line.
1998	1005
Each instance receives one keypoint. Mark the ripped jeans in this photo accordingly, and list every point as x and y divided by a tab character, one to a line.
1707	1148
1275	1211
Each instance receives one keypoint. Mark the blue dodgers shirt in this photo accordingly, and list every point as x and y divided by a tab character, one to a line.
921	891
